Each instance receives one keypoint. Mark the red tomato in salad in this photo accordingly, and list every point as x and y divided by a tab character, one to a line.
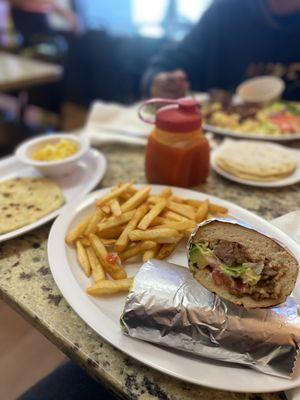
287	122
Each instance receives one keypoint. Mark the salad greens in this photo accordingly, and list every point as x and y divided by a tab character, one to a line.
202	256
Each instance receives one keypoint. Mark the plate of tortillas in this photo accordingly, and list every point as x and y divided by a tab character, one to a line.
257	163
29	200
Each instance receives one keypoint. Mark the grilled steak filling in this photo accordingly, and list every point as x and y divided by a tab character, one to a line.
232	266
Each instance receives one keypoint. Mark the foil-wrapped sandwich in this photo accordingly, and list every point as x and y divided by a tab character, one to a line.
167	306
230	261
240	264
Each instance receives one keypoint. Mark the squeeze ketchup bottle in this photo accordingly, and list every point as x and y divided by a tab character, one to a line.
177	152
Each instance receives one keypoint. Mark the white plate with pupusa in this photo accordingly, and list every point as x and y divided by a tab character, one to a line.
85	175
103	314
289	158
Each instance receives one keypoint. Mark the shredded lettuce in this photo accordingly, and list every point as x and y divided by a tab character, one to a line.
248	272
202	256
235	271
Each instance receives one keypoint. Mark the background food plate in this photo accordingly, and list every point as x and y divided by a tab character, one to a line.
252	136
287	181
103	314
86	175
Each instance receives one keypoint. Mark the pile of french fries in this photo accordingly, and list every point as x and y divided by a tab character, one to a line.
129	222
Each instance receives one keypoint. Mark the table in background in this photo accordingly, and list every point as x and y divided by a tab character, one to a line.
26	284
17	76
19	73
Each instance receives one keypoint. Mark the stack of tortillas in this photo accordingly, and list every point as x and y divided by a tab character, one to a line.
256	160
25	200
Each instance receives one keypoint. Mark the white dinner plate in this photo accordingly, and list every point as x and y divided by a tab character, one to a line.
87	173
204	97
251	136
103	314
286	181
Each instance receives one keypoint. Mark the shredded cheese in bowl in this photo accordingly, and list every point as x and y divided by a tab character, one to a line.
56	151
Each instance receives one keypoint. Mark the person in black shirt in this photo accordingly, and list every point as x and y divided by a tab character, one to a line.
233	41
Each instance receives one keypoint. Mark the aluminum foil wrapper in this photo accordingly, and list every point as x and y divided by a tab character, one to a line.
167	306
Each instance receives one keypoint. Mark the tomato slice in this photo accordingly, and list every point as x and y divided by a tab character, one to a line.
112	258
218	277
239	286
286	122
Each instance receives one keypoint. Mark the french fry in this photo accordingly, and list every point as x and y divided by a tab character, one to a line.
176	199
136	199
103	288
106	209
136	249
178	225
210	215
111	233
108	242
182	209
151	253
193	203
114	194
114	270
115	208
166	193
123	240
125	196
159	221
202	211
173	216
116	221
154	212
167	249
154	199
128	194
222	215
76	232
188	232
131	190
94	221
98	273
215	208
98	246
85	241
161	235
83	258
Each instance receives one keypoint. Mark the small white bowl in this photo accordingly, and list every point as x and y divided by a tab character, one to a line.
25	151
261	89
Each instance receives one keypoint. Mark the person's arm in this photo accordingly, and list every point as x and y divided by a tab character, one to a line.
69	15
191	57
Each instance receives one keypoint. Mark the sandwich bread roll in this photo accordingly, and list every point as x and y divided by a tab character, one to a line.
241	264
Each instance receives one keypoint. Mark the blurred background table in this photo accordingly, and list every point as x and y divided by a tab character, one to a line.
26	284
19	73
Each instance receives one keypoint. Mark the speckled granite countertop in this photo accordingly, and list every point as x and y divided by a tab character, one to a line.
27	285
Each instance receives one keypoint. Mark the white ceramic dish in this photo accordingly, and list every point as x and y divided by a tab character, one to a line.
261	89
25	151
87	173
287	181
103	314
